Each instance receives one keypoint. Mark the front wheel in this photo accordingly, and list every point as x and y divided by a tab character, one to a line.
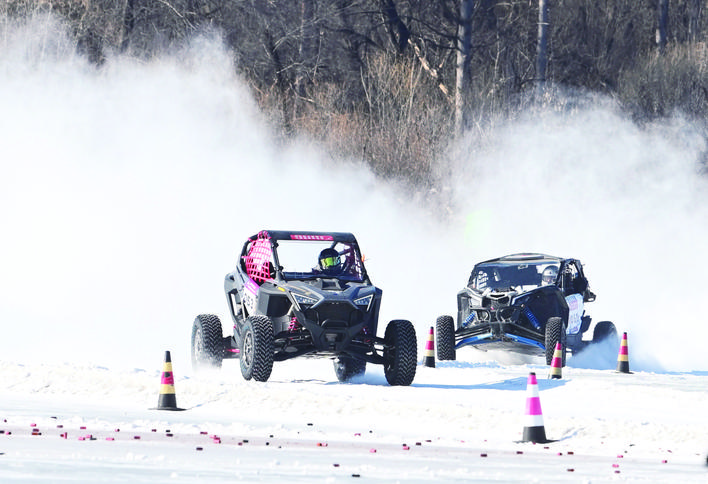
400	353
445	329
555	333
207	342
257	348
346	367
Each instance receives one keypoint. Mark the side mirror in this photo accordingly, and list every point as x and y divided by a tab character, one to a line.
580	285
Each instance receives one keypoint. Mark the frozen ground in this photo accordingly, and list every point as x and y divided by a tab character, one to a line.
459	422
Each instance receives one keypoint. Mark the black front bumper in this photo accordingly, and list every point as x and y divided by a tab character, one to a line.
332	328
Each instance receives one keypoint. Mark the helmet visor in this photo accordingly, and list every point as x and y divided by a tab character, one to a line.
329	262
550	274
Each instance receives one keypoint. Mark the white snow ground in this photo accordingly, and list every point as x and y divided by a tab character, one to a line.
459	422
126	192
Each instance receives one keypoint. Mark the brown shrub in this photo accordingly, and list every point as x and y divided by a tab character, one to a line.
664	84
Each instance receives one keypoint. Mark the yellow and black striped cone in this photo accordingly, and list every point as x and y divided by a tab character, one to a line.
557	363
429	359
167	400
534	430
623	356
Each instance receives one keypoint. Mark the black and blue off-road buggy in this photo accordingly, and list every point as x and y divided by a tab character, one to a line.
293	294
524	303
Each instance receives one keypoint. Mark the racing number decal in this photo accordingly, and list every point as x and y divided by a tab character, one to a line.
575	312
250	295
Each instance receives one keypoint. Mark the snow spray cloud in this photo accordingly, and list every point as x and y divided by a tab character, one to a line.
627	201
127	192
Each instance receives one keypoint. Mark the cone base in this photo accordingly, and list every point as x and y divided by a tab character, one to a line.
167	401
623	367
537	435
173	409
547	441
429	362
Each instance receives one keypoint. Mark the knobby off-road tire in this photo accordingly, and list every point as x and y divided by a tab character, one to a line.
207	342
605	331
400	353
257	348
555	332
346	367
445	331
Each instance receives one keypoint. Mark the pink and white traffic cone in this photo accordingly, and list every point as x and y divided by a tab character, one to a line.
534	431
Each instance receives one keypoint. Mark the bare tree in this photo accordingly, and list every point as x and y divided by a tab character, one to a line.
662	25
464	58
149	26
308	51
542	46
102	27
694	20
396	28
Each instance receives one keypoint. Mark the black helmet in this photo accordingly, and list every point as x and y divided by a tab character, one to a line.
329	261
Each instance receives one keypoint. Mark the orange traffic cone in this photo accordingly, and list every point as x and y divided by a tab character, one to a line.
429	359
623	356
557	363
534	431
167	400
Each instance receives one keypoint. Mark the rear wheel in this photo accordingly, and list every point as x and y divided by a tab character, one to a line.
257	348
346	367
207	342
400	353
605	331
445	329
555	333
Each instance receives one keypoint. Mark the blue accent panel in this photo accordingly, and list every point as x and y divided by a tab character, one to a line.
487	338
474	340
526	341
532	318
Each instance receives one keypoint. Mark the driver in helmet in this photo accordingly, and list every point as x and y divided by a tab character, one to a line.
549	275
329	262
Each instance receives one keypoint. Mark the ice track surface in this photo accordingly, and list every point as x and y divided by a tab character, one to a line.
458	422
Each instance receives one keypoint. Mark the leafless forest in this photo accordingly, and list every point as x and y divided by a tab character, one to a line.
393	82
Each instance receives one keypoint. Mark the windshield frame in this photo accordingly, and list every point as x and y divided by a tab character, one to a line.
520	274
348	251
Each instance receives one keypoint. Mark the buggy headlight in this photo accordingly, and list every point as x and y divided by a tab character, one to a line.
364	301
304	300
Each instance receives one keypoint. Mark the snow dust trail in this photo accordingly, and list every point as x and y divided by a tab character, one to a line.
128	191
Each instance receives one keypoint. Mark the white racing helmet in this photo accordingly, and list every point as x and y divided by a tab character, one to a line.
549	275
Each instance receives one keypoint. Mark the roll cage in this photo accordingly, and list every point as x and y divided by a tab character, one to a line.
262	257
523	271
